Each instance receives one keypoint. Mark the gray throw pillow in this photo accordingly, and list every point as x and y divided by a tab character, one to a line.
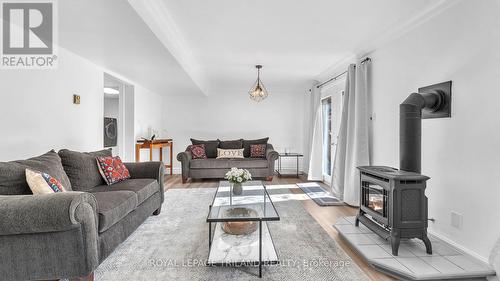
247	143
13	174
210	147
81	168
231	144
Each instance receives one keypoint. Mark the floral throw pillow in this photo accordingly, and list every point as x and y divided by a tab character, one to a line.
43	183
257	151
112	169
197	151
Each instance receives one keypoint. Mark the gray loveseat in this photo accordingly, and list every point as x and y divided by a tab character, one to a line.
217	168
68	234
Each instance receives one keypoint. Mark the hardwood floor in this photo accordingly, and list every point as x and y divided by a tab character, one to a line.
325	216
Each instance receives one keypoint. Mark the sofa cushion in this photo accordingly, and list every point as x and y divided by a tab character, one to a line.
143	188
244	163
247	143
229	153
210	147
258	151
43	183
112	206
197	151
112	169
13	175
82	169
231	144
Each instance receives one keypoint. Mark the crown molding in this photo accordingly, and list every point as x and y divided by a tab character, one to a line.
338	67
390	34
156	15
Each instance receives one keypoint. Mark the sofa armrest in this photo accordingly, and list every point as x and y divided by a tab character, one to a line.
36	229
184	157
26	214
148	170
271	154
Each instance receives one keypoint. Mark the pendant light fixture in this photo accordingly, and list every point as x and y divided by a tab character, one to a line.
258	92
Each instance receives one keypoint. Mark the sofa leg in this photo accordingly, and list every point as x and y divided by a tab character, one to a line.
157	212
89	277
269	178
184	179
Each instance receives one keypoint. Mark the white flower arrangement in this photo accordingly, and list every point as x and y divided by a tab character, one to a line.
236	175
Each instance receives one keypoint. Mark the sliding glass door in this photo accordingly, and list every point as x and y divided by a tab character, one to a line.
331	114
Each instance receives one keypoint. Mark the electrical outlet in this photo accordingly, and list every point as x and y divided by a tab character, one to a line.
76	99
456	220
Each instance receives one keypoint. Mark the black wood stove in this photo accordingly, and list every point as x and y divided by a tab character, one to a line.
393	202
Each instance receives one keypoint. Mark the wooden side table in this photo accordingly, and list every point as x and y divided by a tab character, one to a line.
155	144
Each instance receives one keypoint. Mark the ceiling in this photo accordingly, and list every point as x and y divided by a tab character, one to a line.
111	34
218	42
210	47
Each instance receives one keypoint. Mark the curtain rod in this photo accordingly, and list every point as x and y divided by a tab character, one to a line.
331	79
365	60
343	73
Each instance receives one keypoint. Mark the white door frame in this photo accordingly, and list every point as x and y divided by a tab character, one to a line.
125	120
327	179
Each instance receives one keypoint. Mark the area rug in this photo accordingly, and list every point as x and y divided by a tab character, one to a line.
319	195
174	246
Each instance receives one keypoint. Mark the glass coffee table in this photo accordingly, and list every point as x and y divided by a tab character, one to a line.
238	234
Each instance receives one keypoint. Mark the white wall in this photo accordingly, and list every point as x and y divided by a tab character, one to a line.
38	113
460	154
128	100
279	117
148	119
111	107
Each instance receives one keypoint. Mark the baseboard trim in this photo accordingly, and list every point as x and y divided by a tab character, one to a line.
458	246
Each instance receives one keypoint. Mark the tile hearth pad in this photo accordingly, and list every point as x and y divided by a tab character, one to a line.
412	263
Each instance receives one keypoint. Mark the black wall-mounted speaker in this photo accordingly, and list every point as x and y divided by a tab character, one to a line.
110	132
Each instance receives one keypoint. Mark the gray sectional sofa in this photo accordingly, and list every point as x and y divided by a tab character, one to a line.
217	168
68	234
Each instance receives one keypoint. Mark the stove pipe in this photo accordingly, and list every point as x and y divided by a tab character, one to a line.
410	128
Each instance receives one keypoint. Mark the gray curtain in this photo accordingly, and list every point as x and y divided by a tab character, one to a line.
352	148
314	100
315	172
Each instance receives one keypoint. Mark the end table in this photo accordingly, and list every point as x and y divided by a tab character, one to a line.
289	155
160	144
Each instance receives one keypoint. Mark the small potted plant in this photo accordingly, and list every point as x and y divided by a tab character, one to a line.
237	177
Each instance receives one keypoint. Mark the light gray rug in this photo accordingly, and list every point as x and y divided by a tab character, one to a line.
174	246
319	195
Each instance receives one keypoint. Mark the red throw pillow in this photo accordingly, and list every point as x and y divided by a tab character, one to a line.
112	169
197	151
258	151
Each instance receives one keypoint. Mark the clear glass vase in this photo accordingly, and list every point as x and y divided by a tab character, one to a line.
237	188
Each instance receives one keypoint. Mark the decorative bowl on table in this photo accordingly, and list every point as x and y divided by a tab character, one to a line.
239	227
